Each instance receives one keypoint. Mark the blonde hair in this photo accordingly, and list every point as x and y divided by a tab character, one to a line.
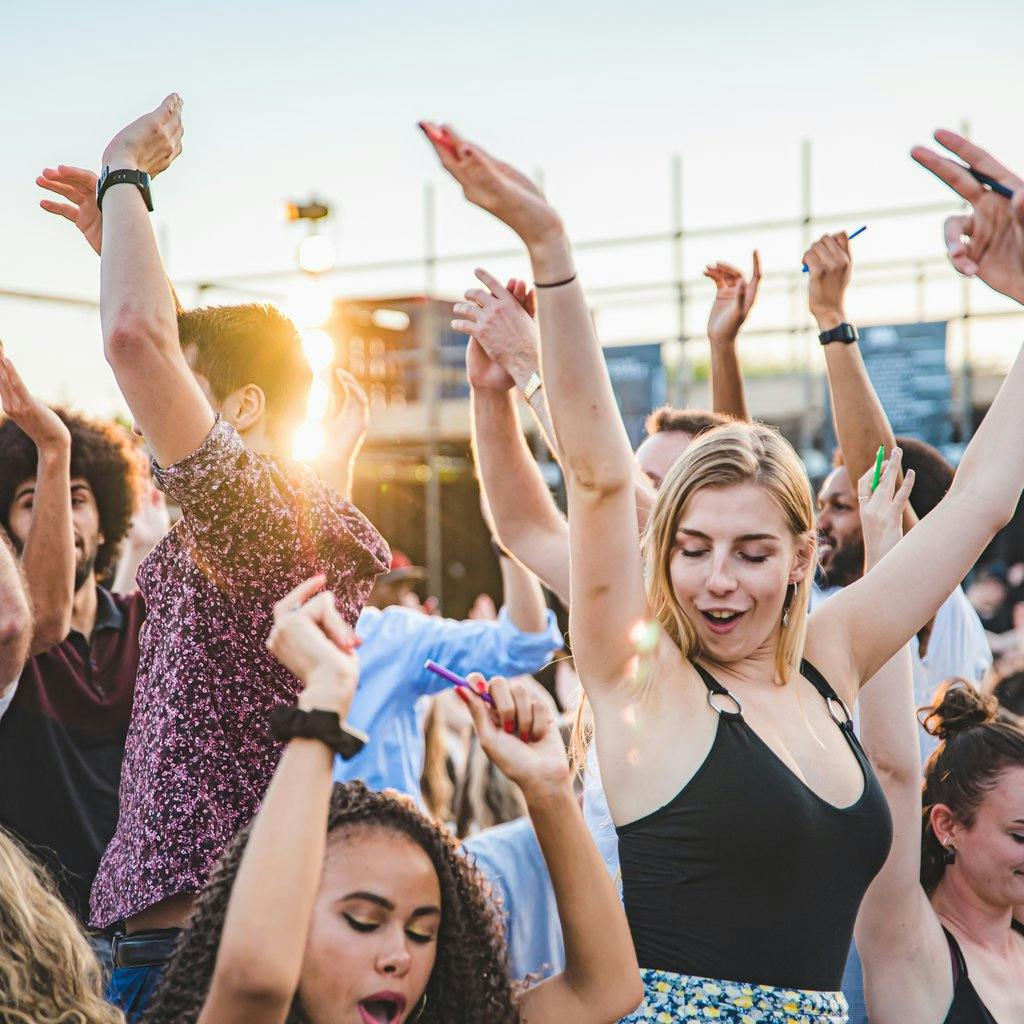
48	971
725	456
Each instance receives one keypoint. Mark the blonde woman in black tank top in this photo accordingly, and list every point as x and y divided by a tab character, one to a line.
728	555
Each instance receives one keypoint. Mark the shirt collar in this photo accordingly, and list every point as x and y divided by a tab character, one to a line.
108	615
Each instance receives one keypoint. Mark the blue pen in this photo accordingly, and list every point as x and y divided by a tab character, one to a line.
456	680
859	231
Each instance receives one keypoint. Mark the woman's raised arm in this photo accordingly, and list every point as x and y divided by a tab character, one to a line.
606	584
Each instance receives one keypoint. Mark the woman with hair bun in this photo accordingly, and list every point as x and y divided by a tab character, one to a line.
936	930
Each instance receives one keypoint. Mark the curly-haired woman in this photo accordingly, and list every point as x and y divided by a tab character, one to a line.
48	972
377	918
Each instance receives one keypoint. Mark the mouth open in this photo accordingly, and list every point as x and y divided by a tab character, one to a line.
381	1009
721	621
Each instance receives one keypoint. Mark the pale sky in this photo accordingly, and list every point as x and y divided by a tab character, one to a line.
282	101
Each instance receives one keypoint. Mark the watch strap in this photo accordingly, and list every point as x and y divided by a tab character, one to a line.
844	332
533	385
288	722
123	176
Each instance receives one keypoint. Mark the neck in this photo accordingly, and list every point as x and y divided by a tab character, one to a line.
984	923
83	608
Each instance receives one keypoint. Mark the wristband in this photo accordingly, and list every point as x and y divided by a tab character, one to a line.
533	385
140	179
845	333
555	284
288	722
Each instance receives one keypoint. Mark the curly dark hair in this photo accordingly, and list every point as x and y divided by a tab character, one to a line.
101	453
470	981
689	421
978	744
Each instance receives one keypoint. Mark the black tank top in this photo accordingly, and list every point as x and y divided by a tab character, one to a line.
967	1007
747	875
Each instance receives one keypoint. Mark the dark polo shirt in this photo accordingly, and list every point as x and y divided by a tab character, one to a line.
62	743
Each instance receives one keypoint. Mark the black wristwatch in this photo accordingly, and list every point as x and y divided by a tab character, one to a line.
288	722
140	179
846	333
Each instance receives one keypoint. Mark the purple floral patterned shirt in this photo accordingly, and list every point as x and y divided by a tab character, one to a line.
198	758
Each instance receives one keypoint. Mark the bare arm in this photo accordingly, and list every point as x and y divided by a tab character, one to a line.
905	957
734	299
137	305
263	942
48	556
607	596
15	618
601	981
860	421
526	519
937	554
149	525
345	433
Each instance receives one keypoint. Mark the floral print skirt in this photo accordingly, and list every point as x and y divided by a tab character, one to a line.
680	997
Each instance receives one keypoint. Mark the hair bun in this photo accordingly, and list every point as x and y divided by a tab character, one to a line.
956	707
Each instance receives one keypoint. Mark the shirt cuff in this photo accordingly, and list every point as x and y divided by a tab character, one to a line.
550	636
209	466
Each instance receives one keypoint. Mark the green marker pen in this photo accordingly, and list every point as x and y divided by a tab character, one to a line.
878	467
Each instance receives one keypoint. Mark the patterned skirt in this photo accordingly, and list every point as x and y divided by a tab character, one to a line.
680	997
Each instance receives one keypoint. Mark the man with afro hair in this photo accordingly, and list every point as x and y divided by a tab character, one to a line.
68	489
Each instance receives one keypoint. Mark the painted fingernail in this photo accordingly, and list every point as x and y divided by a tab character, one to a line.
480	686
461	694
509	727
524	736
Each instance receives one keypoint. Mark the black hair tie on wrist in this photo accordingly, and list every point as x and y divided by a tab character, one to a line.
288	722
555	284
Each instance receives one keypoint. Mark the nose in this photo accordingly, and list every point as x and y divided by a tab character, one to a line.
721	580
394	959
824	521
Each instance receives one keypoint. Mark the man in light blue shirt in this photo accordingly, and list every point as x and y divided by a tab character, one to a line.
397	640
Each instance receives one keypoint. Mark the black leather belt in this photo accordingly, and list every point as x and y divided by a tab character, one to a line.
145	949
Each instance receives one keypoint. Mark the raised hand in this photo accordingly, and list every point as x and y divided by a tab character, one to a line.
987	243
42	425
316	644
520	736
829	267
734	299
494	186
151	142
881	512
499	322
346	424
78	186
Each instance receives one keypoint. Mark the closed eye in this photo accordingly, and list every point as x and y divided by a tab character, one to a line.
753	558
361	926
420	937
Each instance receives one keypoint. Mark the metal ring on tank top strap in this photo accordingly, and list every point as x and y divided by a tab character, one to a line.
830	703
725	696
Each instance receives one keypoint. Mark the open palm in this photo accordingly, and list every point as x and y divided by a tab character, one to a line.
987	243
494	186
734	297
78	187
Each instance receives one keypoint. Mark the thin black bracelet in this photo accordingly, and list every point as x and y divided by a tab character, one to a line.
555	284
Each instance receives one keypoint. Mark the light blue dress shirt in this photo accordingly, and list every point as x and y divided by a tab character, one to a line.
392	679
510	858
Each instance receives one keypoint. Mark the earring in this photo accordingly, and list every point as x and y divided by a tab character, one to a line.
419	1013
790	594
949	854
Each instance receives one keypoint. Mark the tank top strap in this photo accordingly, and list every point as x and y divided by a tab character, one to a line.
720	700
957	957
836	705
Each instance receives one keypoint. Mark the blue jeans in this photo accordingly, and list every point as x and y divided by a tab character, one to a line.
131	989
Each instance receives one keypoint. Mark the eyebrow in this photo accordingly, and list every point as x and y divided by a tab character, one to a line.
380	901
746	536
